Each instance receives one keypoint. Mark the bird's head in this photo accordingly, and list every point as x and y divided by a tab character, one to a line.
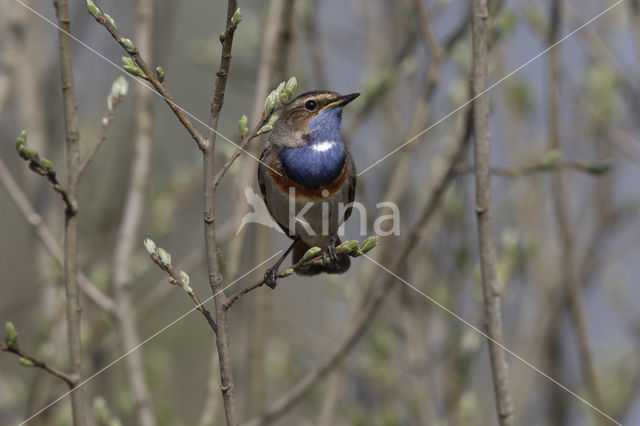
313	115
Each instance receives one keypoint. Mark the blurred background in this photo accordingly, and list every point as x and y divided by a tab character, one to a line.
566	151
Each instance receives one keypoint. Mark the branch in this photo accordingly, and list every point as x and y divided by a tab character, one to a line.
71	223
595	169
569	262
215	277
132	213
162	258
491	291
155	78
27	360
114	100
313	256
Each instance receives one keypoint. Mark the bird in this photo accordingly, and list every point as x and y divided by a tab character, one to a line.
306	167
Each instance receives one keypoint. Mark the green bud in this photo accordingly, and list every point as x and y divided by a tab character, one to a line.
236	18
311	253
47	165
273	119
127	61
243	126
369	243
160	73
265	129
149	244
270	102
10	335
348	246
133	70
164	256
286	272
119	87
188	289
222	37
36	168
58	188
93	9
290	87
184	277
23	136
111	21
25	362
280	91
127	44
23	151
172	280
551	157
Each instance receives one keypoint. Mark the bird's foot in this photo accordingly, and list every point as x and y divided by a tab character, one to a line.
270	277
333	255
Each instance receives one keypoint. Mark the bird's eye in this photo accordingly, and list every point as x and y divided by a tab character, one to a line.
310	105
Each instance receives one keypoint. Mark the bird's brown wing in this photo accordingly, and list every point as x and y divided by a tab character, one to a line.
266	158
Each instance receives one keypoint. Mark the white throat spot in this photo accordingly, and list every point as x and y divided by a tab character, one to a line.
323	146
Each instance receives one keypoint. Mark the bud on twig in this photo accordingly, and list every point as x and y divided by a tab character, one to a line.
286	272
348	247
25	362
149	244
236	18
93	9
164	256
11	335
243	126
369	244
311	253
184	277
128	44
160	73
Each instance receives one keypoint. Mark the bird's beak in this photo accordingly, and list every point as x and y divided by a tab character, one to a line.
343	100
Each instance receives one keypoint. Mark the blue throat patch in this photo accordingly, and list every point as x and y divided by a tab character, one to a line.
320	161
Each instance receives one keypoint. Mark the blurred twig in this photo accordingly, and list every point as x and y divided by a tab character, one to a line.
71	222
493	315
127	236
70	380
571	278
104	129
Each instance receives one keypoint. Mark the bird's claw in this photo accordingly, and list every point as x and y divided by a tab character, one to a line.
333	255
270	278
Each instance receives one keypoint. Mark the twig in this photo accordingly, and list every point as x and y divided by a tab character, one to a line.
491	291
178	280
71	223
70	380
318	260
595	169
569	262
215	277
105	126
149	75
132	214
241	148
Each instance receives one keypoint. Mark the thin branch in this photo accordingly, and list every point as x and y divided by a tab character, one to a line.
595	169
71	222
70	380
215	277
491	291
150	76
132	213
105	126
176	279
566	235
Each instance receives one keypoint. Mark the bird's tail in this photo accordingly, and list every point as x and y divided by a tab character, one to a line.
300	248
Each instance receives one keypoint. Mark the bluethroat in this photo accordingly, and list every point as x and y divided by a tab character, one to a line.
307	178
